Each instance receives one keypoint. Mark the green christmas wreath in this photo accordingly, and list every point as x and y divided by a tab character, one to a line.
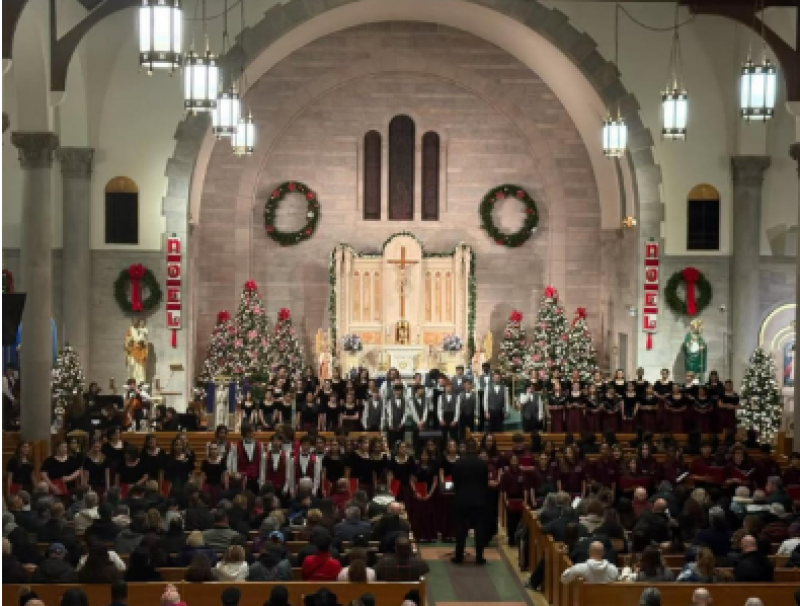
147	282
518	238
288	238
701	300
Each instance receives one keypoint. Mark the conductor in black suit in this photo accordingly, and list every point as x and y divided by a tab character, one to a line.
471	486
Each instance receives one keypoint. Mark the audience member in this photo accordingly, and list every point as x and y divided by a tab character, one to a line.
54	568
401	565
752	566
595	570
232	566
321	566
357	571
221	536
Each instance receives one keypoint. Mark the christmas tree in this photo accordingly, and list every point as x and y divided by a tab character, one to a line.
761	403
286	349
251	341
220	353
66	379
514	346
550	338
581	354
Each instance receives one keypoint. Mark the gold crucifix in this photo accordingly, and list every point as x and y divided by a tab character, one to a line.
402	263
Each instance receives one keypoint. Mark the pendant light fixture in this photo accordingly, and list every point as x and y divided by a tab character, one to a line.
200	76
758	82
225	119
615	132
244	141
160	35
674	100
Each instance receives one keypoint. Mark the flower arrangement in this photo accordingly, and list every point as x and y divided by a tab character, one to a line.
452	343
352	342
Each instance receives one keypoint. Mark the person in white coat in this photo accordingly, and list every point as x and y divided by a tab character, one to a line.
594	570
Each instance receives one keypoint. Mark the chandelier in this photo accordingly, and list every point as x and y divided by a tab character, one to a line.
615	131
758	82
674	100
225	118
200	77
160	34
244	141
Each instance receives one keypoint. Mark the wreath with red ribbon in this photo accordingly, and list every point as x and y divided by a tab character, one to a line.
140	279
288	238
698	292
501	192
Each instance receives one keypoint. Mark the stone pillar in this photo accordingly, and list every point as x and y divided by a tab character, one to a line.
748	175
76	172
36	158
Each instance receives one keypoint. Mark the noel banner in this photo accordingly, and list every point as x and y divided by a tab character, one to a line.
174	276
651	276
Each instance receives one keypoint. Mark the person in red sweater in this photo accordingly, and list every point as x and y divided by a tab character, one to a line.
321	566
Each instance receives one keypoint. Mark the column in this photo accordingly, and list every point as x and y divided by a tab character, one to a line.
36	160
794	152
76	172
748	175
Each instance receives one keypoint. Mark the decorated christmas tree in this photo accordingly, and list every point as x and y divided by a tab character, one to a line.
761	405
514	346
581	354
66	379
286	349
251	340
220	352
550	338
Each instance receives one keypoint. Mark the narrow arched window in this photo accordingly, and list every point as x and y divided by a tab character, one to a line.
372	176
122	211
401	168
430	176
702	218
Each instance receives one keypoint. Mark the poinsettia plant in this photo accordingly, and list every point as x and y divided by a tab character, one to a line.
352	342
452	343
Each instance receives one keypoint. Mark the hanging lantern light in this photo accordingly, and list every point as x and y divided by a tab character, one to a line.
244	141
225	119
160	34
615	132
674	100
200	81
757	90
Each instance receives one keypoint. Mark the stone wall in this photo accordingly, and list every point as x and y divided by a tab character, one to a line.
535	145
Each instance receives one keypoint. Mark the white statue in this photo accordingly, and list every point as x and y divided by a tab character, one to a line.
136	351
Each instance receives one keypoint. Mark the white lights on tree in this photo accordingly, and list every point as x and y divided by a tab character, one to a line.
225	119
160	34
244	141
757	90
200	81
615	137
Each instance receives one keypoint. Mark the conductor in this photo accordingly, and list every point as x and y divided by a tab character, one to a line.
471	486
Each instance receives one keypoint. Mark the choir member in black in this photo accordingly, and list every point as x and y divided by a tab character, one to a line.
379	459
425	483
285	408
446	510
605	471
373	414
333	465
493	498
171	421
350	387
310	381
557	378
593	411
646	464
574	409
673	466
281	383
251	412
640	383
714	387
401	468
362	385
703	411
215	473
19	470
727	406
75	448
307	416
114	448
629	409
60	471
618	382
489	444
178	468
611	410
739	472
221	440
153	458
360	467
675	410
663	389
418	410
648	410
514	495
350	414
448	412
299	402
555	407
690	387
572	473
541	480
702	464
337	383
599	383
791	474
96	469
530	408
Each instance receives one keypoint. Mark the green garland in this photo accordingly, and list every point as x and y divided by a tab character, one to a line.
704	294
518	238
148	284
289	238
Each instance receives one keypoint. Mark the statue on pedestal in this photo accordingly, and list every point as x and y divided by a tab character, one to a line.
695	353
136	351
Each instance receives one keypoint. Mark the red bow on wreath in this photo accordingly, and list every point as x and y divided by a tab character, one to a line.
549	292
223	316
250	286
136	273
284	314
516	316
690	275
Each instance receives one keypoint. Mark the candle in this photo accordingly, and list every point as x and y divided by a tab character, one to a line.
111	385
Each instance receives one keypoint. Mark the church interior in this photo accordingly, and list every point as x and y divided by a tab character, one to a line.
556	236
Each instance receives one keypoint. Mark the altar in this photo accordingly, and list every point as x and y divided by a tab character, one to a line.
401	303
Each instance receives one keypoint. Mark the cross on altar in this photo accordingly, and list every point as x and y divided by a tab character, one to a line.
402	263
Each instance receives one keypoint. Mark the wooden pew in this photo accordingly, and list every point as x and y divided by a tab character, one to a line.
175	575
208	594
726	594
